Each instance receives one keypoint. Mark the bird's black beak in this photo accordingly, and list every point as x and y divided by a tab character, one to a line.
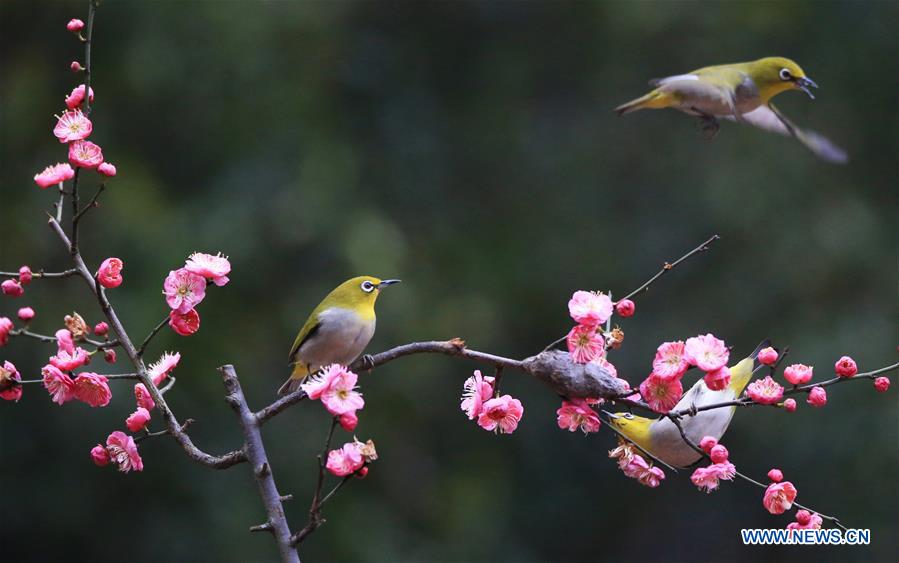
387	282
804	83
610	415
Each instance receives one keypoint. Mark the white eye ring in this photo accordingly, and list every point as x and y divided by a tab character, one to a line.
628	415
785	74
367	286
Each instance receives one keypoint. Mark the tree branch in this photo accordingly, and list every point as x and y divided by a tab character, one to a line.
156	329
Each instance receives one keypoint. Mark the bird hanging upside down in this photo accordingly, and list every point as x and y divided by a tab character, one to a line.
738	92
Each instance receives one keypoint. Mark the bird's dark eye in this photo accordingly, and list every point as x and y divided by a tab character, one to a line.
367	286
785	74
628	416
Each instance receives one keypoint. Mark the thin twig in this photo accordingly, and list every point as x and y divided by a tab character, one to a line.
43	274
156	329
93	203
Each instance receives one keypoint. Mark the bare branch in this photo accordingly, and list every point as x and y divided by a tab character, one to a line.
156	329
43	274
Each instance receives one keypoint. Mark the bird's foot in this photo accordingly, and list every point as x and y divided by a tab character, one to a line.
368	362
709	127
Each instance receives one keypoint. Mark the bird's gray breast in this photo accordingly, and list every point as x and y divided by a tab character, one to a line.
341	337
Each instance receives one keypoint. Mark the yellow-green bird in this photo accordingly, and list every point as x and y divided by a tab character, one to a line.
740	92
660	436
337	331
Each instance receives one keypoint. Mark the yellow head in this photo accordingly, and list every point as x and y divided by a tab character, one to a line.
357	294
774	75
636	428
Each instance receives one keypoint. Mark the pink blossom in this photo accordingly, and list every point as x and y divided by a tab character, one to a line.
159	370
64	341
718	379
652	477
624	453
58	384
806	520
123	452
707	443
101	328
881	384
143	397
590	308
348	421
765	391
212	267
341	397
76	66
100	456
475	391
110	273
54	174
846	367
661	395
319	382
670	362
72	125
718	453
790	405
817	397
107	169
6	327
576	414
12	288
797	374
138	420
345	461
93	389
9	389
75	99
767	356
361	473
68	361
185	324
184	290
605	364
25	275
707	478
85	154
109	355
706	352
625	308
501	414
25	314
75	25
634	467
779	497
585	343
776	475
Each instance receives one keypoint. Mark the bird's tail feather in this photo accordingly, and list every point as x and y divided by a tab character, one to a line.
653	100
300	371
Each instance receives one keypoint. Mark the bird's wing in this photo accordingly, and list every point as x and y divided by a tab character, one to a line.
656	82
771	119
309	329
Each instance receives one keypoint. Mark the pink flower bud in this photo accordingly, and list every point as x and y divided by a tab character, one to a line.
100	329
817	397
184	324
76	97
76	66
846	367
25	275
348	421
75	25
718	379
708	443
362	472
5	327
26	314
138	420
798	374
100	456
107	169
109	356
790	405
776	475
110	273
803	517
718	454
12	288
881	384
143	397
767	356
625	308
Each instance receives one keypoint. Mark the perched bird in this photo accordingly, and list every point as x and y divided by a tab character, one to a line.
337	331
739	92
660	436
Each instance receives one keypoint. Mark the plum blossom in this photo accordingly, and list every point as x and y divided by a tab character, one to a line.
605	364
10	390
76	326
624	453
779	497
212	267
846	367
590	308
661	395
475	391
718	453
25	275
576	414
765	391
806	520
670	362
12	288
109	356
107	169
110	273
163	367
501	414
85	154
881	384
767	356
101	328
123	452
54	174
138	420
707	478
790	405
718	379
817	397
25	314
72	125
652	477
345	461
625	308
93	389
798	374
75	99
637	468
706	352
585	343
68	361
64	341
6	327
319	382
184	290
707	443
143	397
185	324
58	384
348	421
341	397
100	456
75	25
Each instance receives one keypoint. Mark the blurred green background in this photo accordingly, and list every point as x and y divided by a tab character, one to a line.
469	149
